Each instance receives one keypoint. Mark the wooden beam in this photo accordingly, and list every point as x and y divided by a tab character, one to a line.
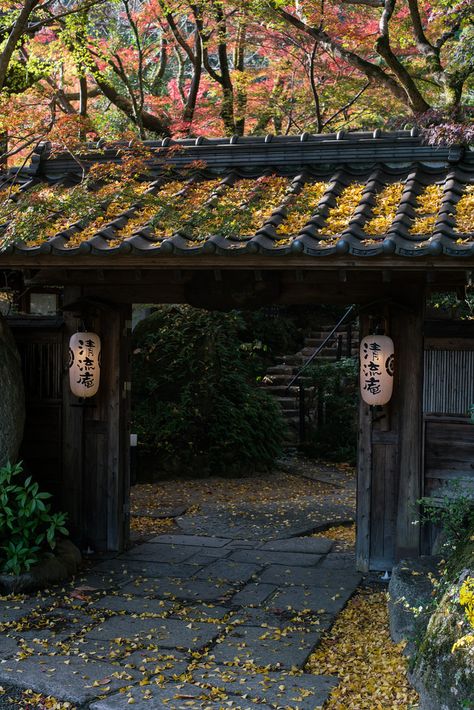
238	262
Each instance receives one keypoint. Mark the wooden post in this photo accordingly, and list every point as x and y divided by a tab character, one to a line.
364	475
390	448
72	433
408	330
107	436
96	434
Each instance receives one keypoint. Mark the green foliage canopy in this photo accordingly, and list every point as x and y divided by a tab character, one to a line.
196	408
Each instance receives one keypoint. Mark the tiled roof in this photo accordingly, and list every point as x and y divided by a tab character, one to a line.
359	194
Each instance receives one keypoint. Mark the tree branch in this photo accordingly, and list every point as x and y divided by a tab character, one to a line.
415	100
16	32
372	71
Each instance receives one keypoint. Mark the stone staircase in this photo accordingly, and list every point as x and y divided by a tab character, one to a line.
344	343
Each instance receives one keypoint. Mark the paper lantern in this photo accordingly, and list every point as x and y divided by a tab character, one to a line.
84	364
376	369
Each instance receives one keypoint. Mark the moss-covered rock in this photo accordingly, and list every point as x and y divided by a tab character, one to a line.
411	599
442	669
445	677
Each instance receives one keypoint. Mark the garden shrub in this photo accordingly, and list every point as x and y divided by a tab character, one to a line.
196	407
333	432
455	516
28	529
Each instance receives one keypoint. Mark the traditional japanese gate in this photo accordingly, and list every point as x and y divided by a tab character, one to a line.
388	274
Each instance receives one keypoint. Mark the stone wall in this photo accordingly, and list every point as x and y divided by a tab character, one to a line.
12	397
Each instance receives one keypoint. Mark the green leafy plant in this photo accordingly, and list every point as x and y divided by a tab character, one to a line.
454	513
333	433
28	529
450	303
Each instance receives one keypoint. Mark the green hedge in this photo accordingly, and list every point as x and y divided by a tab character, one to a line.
196	407
334	434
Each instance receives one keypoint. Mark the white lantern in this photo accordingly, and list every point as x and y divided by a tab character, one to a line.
84	364
376	369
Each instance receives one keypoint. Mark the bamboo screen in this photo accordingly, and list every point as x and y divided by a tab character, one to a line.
448	381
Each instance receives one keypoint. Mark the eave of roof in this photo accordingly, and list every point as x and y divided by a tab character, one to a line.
341	158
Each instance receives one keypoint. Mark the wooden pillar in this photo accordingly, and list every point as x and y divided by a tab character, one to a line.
72	432
390	446
408	332
364	473
97	432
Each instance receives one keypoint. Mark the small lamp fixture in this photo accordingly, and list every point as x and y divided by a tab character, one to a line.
376	369
84	364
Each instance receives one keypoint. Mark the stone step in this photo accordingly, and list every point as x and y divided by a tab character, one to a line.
279	391
316	342
297	361
292	415
308	351
287	403
280	369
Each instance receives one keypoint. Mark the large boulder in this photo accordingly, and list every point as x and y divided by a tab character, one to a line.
12	400
411	599
426	611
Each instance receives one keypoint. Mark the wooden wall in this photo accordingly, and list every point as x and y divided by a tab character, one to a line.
79	450
419	443
448	394
39	342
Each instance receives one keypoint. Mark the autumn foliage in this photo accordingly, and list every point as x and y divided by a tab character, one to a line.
78	71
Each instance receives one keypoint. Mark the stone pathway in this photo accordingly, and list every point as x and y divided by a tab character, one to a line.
185	621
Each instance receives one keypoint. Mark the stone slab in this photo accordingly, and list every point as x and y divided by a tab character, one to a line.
281	619
152	663
342	560
314	545
200	612
266	647
264	557
253	594
67	678
274	520
108	650
133	605
102	581
61	624
228	570
8	646
310	576
124	570
305	692
215	552
196	590
172	554
202	559
14	610
194	540
163	633
182	696
321	601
